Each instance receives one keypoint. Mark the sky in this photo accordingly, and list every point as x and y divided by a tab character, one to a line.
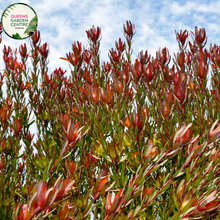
62	22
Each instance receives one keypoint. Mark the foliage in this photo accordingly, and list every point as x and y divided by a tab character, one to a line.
116	140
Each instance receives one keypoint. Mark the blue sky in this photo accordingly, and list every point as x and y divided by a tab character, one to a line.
61	22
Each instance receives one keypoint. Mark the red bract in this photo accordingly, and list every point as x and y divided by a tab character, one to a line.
120	46
163	56
144	58
100	185
114	56
166	107
62	95
70	166
75	58
6	51
181	37
44	50
166	73
94	34
63	215
215	54
126	122
181	59
4	114
203	55
12	63
43	198
35	37
107	95
155	64
47	79
189	58
193	149
71	58
129	29
23	51
61	187
119	85
89	77
87	56
21	167
77	48
208	204
92	157
193	48
179	77
19	68
214	49
214	134
184	135
93	93
137	119
71	129
30	136
114	203
215	155
77	51
15	66
150	72
180	92
25	213
106	67
153	152
87	161
200	37
201	69
201	65
137	70
130	94
125	73
17	127
23	87
59	72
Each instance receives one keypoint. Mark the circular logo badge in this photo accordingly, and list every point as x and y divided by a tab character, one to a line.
19	21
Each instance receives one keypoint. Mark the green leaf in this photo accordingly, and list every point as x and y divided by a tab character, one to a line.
46	173
137	209
32	25
123	158
190	209
175	201
107	158
89	209
165	187
129	191
16	36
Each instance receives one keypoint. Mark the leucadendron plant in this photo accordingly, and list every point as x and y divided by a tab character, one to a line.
116	140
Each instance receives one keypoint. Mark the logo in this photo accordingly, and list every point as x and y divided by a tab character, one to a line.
19	21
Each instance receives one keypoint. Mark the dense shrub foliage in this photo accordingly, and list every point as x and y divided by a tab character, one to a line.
115	140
